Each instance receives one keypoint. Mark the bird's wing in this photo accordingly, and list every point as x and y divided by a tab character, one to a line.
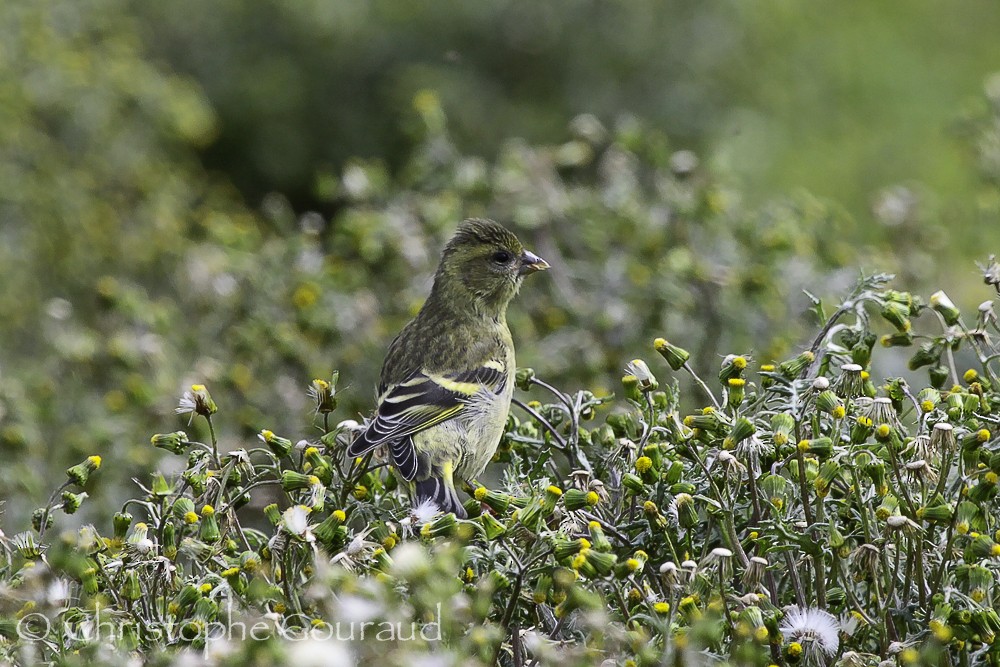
424	400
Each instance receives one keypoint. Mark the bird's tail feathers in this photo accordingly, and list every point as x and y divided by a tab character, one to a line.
441	494
360	446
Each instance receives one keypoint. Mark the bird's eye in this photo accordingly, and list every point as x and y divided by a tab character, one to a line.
502	256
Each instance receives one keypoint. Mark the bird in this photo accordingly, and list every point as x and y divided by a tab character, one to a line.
448	377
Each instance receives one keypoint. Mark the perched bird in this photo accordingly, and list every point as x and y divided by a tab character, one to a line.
448	377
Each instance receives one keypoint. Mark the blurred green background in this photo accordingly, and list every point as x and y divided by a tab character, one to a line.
250	195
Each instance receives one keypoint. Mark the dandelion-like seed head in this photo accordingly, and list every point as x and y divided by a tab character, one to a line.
425	511
816	630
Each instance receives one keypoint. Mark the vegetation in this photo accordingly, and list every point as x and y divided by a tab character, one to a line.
187	201
805	515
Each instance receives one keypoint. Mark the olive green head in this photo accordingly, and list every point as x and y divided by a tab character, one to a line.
484	264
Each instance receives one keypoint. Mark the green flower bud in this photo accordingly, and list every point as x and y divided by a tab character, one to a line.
983	547
888	507
898	315
941	304
985	490
491	526
324	394
743	428
209	525
732	367
565	549
80	473
939	513
523	378
861	351
674	472
926	355
897	340
278	445
631	385
597	537
131	590
633	483
331	532
827	473
821	447
71	501
540	592
273	514
296	481
442	526
877	474
675	356
782	425
122	521
578	499
862	429
736	392
830	403
320	465
40	515
938	376
687	513
175	442
792	368
89	580
602	563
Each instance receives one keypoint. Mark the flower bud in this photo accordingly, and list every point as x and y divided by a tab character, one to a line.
209	525
131	590
782	425
675	356
831	404
640	371
687	513
941	304
732	367
320	466
901	339
71	501
827	473
792	368
175	442
743	428
577	499
938	376
898	315
597	537
523	378
80	473
324	394
821	447
736	392
296	481
280	446
491	526
122	521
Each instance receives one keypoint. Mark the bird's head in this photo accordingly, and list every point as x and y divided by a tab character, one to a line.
486	262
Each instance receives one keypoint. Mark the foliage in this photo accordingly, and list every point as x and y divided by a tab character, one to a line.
806	515
131	273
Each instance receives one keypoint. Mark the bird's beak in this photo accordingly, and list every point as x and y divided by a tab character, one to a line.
530	262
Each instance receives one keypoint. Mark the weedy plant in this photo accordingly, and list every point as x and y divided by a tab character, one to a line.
807	514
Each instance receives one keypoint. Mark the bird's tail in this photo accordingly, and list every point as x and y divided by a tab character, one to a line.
441	493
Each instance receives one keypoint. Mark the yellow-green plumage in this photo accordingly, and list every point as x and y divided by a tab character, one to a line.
448	377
